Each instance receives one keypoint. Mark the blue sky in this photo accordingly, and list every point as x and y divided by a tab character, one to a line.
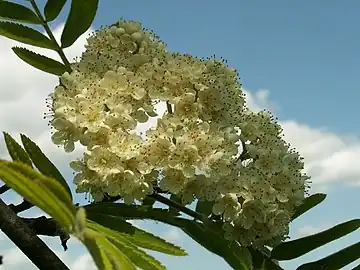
305	54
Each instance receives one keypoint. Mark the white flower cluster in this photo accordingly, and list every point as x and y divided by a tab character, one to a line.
193	151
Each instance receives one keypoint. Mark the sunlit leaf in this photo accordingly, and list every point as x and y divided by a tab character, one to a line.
99	255
137	256
33	186
40	62
53	8
147	240
111	222
15	150
43	164
308	203
118	259
15	12
292	249
75	24
135	235
336	260
26	35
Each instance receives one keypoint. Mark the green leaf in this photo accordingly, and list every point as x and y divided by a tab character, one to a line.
118	259
15	150
137	256
135	235
140	258
34	187
204	207
111	222
149	241
40	62
261	260
336	260
235	255
15	12
98	254
53	8
308	203
128	211
26	35
43	164
296	248
77	24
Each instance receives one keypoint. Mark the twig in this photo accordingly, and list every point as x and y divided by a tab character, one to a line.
27	241
51	36
49	227
177	206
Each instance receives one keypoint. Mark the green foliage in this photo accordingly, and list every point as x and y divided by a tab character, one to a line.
76	25
105	255
39	61
149	241
15	12
135	235
137	256
296	248
309	203
336	260
42	163
39	190
53	8
16	152
235	255
98	254
128	212
26	35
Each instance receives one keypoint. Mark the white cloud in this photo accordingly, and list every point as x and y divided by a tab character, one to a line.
259	100
330	158
24	89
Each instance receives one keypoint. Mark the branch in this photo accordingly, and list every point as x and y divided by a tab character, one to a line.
27	241
51	36
177	206
49	227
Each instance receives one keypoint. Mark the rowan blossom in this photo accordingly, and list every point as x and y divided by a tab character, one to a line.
208	146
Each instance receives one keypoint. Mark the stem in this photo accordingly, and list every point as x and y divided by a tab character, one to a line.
178	206
27	240
51	36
